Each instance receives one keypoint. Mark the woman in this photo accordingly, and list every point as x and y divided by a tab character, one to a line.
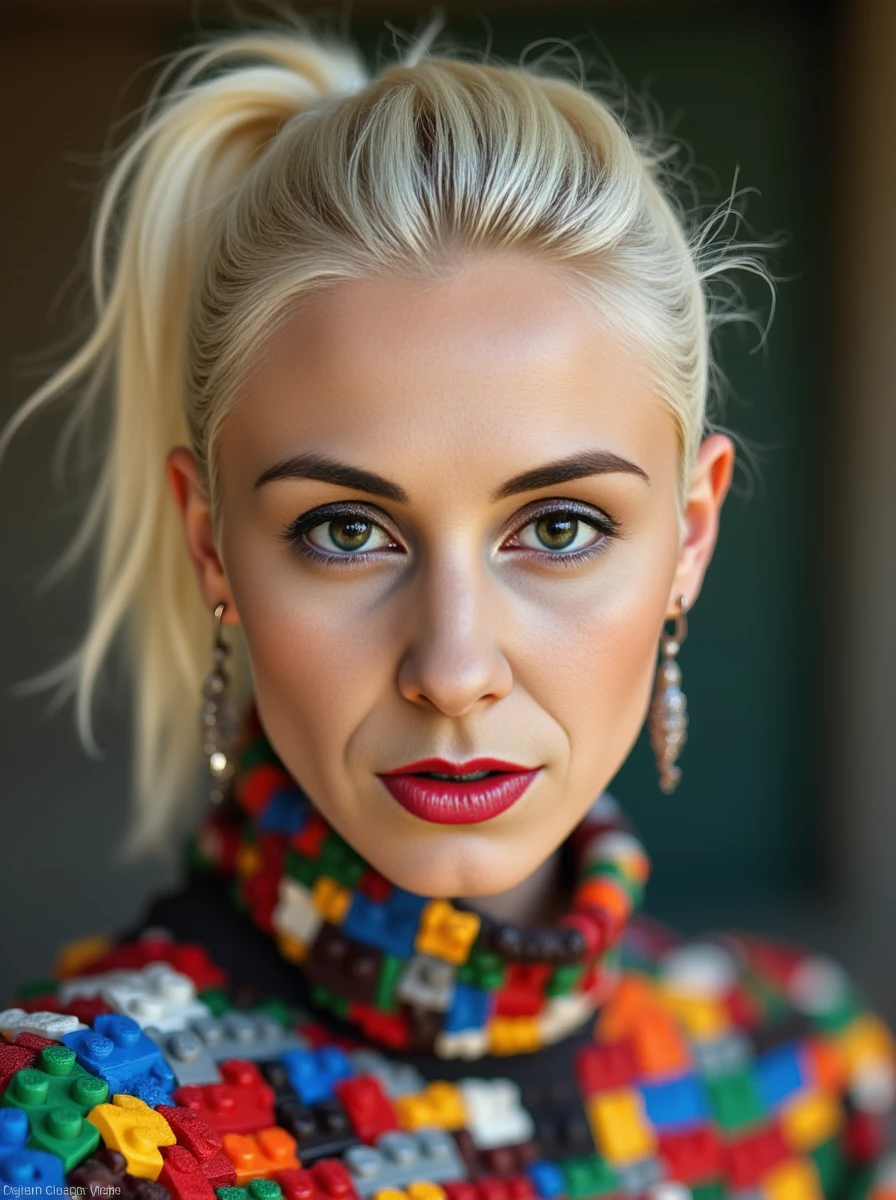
424	360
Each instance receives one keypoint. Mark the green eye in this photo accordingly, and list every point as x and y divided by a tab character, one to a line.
560	531
347	535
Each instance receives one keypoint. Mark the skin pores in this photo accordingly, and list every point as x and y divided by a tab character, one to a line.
449	619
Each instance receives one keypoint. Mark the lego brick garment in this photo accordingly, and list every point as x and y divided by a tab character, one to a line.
300	1027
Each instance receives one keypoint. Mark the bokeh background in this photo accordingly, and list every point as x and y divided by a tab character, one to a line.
785	821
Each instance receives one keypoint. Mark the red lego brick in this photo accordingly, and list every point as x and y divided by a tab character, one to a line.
326	1180
692	1155
522	993
604	1067
12	1059
369	1109
311	838
749	1158
182	1175
866	1139
257	786
389	1028
742	1009
33	1041
375	886
192	1131
242	1103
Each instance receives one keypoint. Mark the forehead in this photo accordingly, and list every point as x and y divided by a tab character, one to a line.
496	357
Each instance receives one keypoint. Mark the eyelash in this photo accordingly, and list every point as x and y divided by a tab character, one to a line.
295	532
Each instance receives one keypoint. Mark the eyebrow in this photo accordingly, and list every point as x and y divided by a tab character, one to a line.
329	470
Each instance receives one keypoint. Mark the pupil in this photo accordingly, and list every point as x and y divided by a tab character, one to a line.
557	531
350	533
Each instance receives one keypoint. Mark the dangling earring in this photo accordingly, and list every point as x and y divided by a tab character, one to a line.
669	708
218	716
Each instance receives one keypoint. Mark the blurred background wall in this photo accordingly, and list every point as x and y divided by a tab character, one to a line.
784	822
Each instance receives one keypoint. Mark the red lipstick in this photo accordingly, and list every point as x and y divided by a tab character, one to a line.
464	793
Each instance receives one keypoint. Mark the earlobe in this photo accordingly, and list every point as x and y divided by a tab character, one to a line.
709	486
188	490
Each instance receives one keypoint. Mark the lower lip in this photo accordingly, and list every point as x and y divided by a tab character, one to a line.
446	803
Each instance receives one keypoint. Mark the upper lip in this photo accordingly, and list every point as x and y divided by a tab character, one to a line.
444	767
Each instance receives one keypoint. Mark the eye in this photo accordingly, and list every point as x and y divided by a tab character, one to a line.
560	531
348	534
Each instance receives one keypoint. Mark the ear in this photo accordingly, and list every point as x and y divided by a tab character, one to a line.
706	494
188	489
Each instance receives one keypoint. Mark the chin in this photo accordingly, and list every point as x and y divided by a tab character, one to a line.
452	872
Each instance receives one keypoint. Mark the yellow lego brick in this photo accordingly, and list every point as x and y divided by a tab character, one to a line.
291	947
864	1040
75	956
248	860
792	1181
514	1035
331	899
620	1127
439	1106
422	1189
134	1129
702	1018
810	1119
446	932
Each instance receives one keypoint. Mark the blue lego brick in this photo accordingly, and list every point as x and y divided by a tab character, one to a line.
469	1009
546	1179
287	811
314	1073
676	1102
119	1051
779	1074
35	1170
13	1131
389	926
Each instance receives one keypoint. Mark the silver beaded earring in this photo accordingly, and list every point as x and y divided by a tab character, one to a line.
218	716
669	708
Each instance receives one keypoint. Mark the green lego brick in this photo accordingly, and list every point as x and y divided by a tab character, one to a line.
588	1177
302	869
324	998
709	1191
217	999
258	751
340	861
735	1099
255	1189
849	1006
38	987
563	980
390	972
278	1009
482	969
57	1095
830	1162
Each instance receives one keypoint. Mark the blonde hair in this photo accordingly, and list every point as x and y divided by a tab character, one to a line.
266	165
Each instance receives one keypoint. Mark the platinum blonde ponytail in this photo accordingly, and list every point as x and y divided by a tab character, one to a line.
269	165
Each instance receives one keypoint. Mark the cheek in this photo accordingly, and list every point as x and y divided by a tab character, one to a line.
318	658
593	650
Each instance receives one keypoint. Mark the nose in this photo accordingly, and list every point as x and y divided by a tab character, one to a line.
453	662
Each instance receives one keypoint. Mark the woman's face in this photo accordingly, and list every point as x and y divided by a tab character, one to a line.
449	530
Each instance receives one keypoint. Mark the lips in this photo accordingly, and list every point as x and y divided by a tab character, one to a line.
448	793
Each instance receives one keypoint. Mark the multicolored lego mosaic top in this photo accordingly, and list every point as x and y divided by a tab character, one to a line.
725	1069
